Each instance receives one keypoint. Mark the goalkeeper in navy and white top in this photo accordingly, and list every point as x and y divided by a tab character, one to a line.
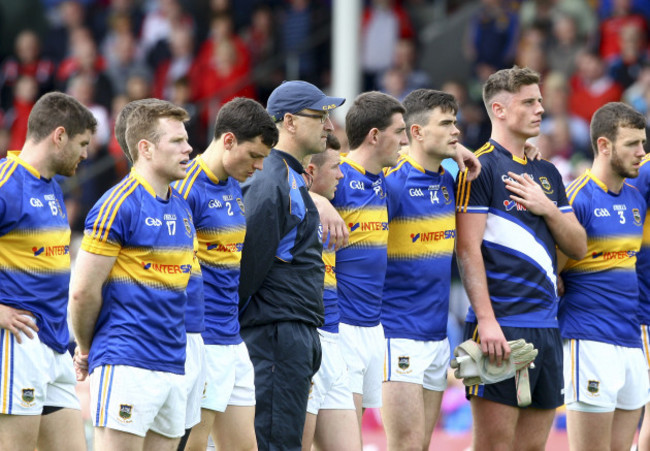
509	222
605	373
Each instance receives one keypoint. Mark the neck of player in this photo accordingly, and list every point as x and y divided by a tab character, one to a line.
213	158
429	162
603	171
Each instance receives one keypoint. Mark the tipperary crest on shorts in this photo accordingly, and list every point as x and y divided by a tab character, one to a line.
27	397
403	362
126	410
593	387
637	216
546	185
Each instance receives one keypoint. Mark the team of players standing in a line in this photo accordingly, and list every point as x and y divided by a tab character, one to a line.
201	306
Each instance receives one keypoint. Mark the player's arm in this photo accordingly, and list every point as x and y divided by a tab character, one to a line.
91	271
469	235
13	319
333	225
465	159
567	232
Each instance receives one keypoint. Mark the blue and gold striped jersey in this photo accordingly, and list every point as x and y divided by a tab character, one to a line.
34	249
518	248
141	322
360	199
642	183
421	237
601	295
218	213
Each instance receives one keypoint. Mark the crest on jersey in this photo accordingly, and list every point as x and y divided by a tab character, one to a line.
241	205
188	227
637	216
593	387
403	362
28	395
546	185
126	411
446	194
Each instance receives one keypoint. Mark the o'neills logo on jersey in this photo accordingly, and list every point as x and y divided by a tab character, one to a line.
368	226
50	251
167	269
230	247
433	236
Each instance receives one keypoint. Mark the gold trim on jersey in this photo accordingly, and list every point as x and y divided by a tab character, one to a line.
15	156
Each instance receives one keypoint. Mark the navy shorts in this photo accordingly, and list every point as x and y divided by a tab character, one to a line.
546	379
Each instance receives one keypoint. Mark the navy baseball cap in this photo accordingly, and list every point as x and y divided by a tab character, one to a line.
296	95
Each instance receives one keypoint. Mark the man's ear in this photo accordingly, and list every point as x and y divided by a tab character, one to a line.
229	140
59	137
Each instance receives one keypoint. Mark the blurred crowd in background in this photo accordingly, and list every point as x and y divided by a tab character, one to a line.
202	53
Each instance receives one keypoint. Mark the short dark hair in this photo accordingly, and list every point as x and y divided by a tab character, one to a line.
420	104
370	110
56	109
608	118
122	120
318	159
143	122
508	80
246	119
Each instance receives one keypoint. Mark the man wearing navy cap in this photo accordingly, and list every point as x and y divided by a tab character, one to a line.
282	271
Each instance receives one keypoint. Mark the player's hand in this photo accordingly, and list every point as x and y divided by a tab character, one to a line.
17	321
529	194
493	342
333	224
532	151
465	159
80	361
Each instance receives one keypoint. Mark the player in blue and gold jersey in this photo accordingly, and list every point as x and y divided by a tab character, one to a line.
36	372
376	131
509	222
194	377
128	291
642	183
243	137
331	415
605	372
415	305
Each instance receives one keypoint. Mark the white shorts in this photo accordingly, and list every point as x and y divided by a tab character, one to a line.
363	351
330	387
194	378
33	375
418	362
645	343
230	377
604	375
136	400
